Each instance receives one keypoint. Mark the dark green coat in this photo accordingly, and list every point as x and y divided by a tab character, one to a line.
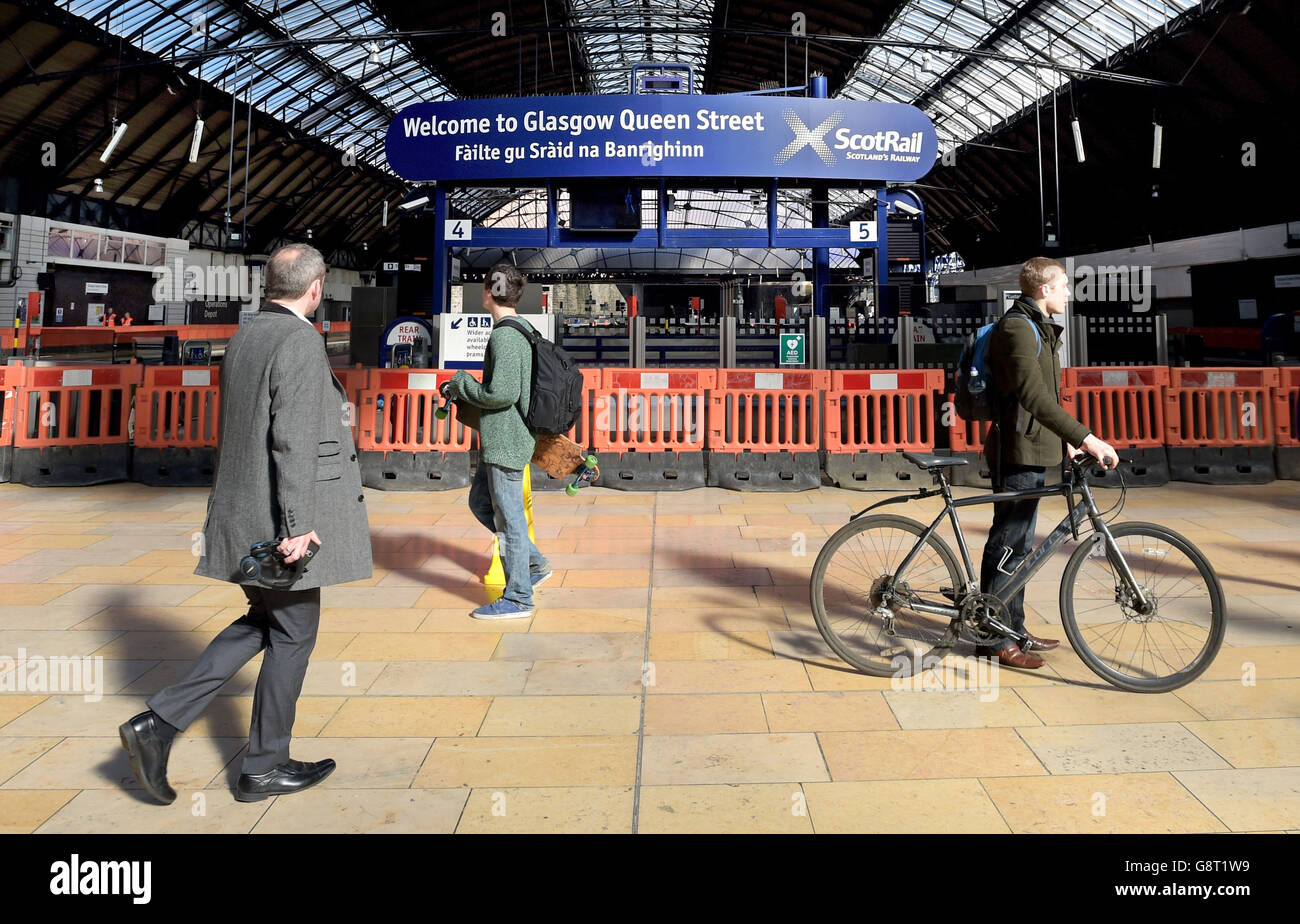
1031	423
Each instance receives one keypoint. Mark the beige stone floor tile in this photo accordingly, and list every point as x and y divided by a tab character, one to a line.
606	578
739	758
571	646
32	594
230	716
407	717
1120	748
1264	631
768	808
920	754
48	616
1265	662
13	705
988	708
1109	803
583	677
420	646
22	812
27	543
123	811
526	762
321	810
17	753
1252	742
548	619
371	619
552	810
699	597
187	646
65	714
151	618
102	763
951	806
709	577
715	713
1069	705
459	621
835	711
43	643
827	675
756	676
708	646
562	716
1263	799
451	678
734	622
1226	699
363	763
548	597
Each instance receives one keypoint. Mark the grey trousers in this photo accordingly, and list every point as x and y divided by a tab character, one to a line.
284	622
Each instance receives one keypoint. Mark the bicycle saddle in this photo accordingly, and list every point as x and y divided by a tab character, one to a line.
929	462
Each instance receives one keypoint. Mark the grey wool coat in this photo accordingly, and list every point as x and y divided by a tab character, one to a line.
285	460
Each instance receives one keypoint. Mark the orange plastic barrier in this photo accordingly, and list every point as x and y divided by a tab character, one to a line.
766	411
75	406
355	380
397	413
177	407
1123	405
1220	408
651	410
1286	401
882	411
963	435
11	377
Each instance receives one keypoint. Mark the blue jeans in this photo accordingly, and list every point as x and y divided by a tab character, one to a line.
496	498
1013	528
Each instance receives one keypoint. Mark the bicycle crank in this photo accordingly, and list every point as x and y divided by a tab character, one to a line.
977	611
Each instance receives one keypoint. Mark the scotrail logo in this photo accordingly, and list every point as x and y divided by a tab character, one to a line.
804	137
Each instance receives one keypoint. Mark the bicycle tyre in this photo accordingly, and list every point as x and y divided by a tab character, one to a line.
1077	633
886	665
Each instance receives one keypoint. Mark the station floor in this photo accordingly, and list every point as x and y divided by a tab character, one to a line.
671	680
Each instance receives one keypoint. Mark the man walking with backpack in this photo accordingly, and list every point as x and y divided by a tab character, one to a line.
1025	437
498	407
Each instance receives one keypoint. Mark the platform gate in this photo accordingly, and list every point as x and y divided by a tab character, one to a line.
1286	423
10	378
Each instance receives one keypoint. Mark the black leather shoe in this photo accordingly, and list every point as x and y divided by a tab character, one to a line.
148	750
289	777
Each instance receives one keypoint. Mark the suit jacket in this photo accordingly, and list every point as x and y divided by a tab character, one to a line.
285	460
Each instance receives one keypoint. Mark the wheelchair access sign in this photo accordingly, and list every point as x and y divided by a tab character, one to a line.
792	349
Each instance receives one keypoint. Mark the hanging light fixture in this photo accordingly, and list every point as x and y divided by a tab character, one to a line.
1157	142
118	132
1078	138
197	141
374	54
99	185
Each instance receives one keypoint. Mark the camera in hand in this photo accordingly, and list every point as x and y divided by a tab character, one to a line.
265	564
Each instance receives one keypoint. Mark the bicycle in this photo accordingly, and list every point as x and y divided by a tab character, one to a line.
879	613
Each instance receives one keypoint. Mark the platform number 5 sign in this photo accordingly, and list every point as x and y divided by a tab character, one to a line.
459	229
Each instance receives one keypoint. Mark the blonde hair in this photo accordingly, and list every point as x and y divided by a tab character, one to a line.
1038	272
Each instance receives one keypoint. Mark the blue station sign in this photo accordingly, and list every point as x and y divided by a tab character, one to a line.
672	136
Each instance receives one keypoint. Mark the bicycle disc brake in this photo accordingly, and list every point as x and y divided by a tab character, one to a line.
975	612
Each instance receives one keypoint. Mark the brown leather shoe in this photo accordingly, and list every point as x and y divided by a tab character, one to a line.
1040	644
1012	656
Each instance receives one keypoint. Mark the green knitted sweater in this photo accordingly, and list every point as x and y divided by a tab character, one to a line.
501	400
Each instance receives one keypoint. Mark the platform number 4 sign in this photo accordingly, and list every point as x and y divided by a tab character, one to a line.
459	229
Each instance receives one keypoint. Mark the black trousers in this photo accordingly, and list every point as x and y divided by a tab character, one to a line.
285	623
1013	529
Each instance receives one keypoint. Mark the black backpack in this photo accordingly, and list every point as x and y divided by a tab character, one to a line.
555	399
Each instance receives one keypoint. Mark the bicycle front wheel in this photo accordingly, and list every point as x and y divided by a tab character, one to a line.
860	562
1165	648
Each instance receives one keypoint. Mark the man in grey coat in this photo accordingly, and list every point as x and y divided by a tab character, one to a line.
286	467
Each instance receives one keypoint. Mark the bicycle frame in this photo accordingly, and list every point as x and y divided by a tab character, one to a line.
1086	507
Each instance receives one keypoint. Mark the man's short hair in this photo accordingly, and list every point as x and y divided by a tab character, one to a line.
1038	271
292	269
506	284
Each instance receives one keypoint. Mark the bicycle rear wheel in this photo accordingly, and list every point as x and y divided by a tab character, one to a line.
860	561
1158	651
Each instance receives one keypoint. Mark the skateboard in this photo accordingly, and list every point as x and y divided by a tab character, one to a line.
561	457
